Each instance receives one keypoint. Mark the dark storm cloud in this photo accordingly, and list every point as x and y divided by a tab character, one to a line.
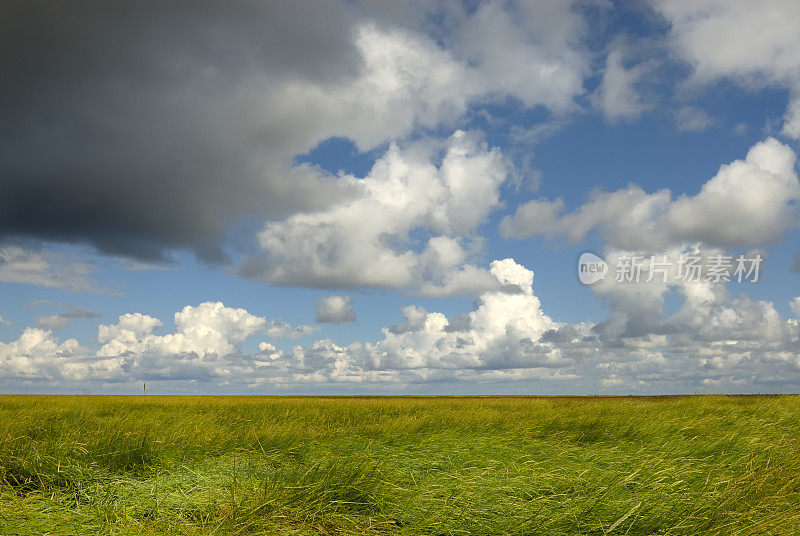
139	127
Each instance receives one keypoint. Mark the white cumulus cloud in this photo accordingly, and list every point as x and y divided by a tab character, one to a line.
36	354
749	202
369	239
711	340
335	309
207	329
755	44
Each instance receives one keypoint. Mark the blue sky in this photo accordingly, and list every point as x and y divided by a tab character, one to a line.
353	198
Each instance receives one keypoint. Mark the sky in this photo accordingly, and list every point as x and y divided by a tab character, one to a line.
380	197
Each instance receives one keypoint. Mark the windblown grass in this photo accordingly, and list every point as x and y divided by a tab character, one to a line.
439	466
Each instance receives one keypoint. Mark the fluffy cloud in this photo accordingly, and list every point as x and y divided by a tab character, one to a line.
712	340
119	138
749	202
45	269
369	240
753	44
204	345
268	350
617	97
500	338
282	330
756	42
335	309
501	332
207	329
529	50
37	355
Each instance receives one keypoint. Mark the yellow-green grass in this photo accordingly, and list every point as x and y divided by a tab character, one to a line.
708	465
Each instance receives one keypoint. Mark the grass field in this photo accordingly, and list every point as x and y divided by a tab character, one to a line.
445	466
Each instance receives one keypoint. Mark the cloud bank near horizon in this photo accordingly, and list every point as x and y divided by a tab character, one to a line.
713	340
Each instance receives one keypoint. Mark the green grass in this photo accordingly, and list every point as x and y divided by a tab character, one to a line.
708	465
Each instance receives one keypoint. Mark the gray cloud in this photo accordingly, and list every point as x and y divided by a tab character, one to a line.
62	319
335	309
144	127
282	330
139	127
51	303
46	269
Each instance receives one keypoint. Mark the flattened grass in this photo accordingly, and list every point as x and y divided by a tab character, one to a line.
440	466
